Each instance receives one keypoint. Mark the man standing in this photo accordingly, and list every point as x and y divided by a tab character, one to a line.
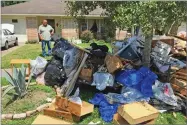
45	33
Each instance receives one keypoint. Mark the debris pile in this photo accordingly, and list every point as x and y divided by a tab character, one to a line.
163	85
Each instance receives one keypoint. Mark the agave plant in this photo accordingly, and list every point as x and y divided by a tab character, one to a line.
17	81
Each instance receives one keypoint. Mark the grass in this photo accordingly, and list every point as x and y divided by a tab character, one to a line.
28	51
32	51
35	97
4	82
168	118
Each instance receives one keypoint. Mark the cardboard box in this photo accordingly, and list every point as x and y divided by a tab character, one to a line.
119	120
113	63
52	111
138	112
86	74
74	108
44	120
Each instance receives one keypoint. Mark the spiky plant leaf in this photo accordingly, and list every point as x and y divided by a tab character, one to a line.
30	77
17	87
15	73
9	78
21	81
23	70
7	90
29	81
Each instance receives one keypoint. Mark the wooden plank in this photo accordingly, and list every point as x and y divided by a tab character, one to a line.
138	112
181	73
20	61
180	77
179	89
179	82
58	114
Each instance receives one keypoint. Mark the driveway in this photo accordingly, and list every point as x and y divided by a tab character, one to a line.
11	48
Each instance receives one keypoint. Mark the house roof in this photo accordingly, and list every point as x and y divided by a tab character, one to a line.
40	7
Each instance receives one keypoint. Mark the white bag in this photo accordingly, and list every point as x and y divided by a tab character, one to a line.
38	65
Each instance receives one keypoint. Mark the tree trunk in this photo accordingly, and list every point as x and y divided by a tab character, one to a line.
119	33
169	31
147	49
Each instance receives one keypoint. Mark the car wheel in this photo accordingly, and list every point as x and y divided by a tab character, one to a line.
16	42
6	45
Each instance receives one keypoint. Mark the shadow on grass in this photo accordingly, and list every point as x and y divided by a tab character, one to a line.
14	98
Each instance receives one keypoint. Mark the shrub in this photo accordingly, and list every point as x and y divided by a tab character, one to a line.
17	82
32	42
86	36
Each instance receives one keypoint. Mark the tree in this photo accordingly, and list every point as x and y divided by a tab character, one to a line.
147	15
8	3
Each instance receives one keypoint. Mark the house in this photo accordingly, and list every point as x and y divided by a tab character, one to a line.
27	17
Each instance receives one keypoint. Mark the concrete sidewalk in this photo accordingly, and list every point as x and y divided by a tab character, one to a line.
11	48
3	72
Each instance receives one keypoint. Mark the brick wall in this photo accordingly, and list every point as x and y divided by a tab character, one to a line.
69	28
32	28
69	33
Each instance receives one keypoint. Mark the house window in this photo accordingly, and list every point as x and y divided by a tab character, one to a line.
14	21
83	25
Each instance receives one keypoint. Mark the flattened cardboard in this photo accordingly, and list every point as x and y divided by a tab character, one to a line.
44	120
86	74
138	112
119	120
113	63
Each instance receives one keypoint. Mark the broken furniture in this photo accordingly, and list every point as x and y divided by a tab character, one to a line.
21	61
178	81
166	39
71	111
138	112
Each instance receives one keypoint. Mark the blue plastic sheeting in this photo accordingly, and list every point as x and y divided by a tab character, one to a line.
70	58
128	95
102	80
141	79
120	76
106	110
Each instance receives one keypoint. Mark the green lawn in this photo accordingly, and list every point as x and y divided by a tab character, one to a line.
28	51
33	50
35	97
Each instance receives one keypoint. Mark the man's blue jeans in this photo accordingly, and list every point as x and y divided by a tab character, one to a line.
44	42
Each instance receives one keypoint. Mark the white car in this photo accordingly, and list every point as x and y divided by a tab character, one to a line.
8	36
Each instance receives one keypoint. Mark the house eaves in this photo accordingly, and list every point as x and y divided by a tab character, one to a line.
43	8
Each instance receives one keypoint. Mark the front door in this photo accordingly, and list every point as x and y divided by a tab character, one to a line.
52	23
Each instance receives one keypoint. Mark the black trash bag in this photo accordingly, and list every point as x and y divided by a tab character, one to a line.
55	73
59	48
103	48
163	106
